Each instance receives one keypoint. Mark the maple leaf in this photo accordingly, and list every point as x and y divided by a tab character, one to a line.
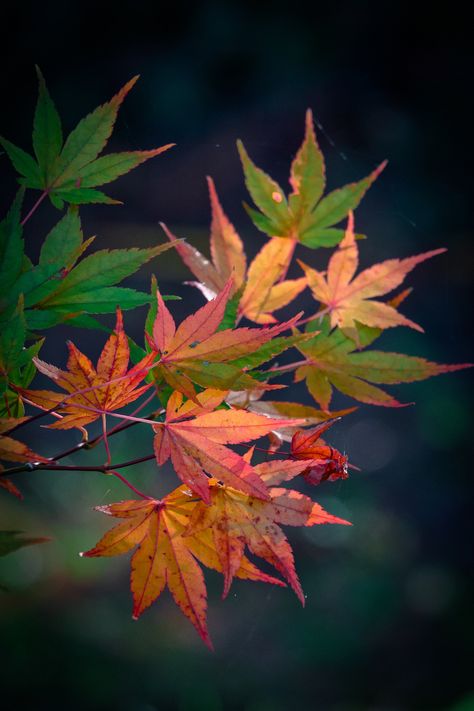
305	216
12	450
71	172
59	288
11	541
198	352
238	520
264	287
9	486
334	362
194	436
161	559
325	463
250	400
92	391
349	300
165	557
310	457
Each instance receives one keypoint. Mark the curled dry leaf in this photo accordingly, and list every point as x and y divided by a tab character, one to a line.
325	463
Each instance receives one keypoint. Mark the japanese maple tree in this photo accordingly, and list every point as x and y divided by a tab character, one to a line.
203	388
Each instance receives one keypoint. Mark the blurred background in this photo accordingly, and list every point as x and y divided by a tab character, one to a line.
388	623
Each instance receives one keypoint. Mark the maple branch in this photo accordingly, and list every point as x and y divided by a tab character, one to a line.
93	442
33	418
102	468
120	427
34	208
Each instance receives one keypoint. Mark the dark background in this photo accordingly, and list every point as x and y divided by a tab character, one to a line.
388	624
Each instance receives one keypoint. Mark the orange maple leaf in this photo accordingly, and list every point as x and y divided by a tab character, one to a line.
349	300
9	486
12	450
238	520
266	290
194	436
92	391
196	352
164	557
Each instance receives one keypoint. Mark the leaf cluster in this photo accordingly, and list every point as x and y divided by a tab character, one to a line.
64	286
207	379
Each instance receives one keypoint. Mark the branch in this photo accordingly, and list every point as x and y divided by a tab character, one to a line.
102	468
85	444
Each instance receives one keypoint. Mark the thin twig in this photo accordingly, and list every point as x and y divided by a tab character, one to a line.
53	467
82	445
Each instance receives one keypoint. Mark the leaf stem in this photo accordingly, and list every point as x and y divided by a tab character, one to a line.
121	417
105	438
118	427
129	484
35	207
290	366
320	314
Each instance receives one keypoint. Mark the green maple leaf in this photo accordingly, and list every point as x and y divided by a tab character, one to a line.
334	362
12	255
71	171
11	541
61	288
305	215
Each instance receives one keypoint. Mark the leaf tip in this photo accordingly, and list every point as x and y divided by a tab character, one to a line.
242	151
380	168
309	125
39	74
